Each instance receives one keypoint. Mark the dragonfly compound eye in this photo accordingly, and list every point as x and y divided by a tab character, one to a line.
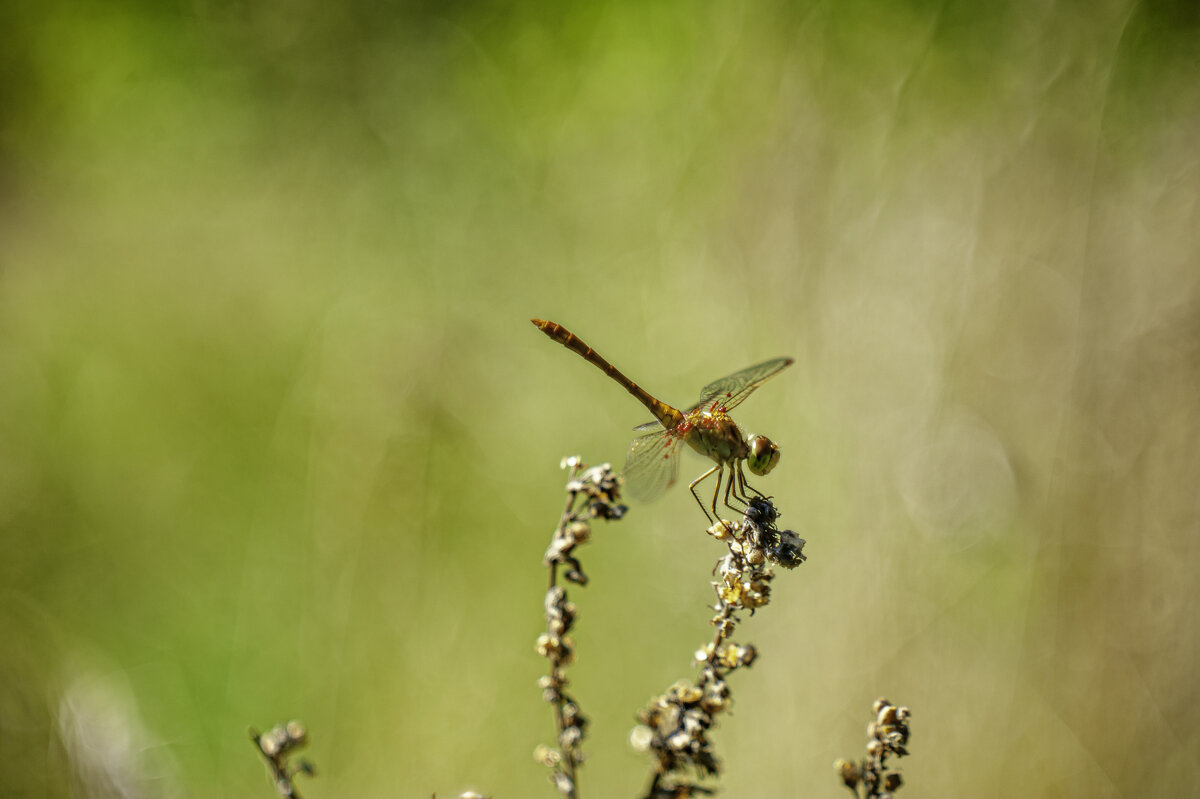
763	454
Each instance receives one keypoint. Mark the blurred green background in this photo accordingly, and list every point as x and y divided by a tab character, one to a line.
277	439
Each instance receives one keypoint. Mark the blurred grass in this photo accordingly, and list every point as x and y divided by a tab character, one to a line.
276	438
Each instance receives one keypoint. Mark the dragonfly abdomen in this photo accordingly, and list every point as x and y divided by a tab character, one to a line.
666	415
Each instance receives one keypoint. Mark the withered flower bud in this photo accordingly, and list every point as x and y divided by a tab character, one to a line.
296	732
849	773
721	530
579	532
562	783
641	738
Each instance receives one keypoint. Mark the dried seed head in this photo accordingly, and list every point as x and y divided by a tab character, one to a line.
570	738
754	595
849	772
761	511
680	741
716	697
789	551
573	716
579	532
695	721
269	745
562	783
641	738
560	649
721	530
296	732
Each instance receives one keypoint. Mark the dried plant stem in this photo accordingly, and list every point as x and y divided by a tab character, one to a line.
558	666
591	494
674	725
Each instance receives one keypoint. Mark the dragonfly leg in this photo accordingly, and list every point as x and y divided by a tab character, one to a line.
745	486
697	481
717	490
732	487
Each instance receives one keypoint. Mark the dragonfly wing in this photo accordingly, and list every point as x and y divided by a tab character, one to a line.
729	392
648	426
652	464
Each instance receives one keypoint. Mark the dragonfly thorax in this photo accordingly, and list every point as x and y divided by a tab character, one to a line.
716	436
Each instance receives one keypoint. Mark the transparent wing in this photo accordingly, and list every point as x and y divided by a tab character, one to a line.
729	392
652	464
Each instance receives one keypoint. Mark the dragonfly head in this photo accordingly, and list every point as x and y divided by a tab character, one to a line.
763	454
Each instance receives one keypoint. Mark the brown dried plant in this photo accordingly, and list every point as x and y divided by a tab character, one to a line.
591	494
887	735
673	727
277	745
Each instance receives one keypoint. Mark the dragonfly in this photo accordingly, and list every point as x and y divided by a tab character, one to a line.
652	465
